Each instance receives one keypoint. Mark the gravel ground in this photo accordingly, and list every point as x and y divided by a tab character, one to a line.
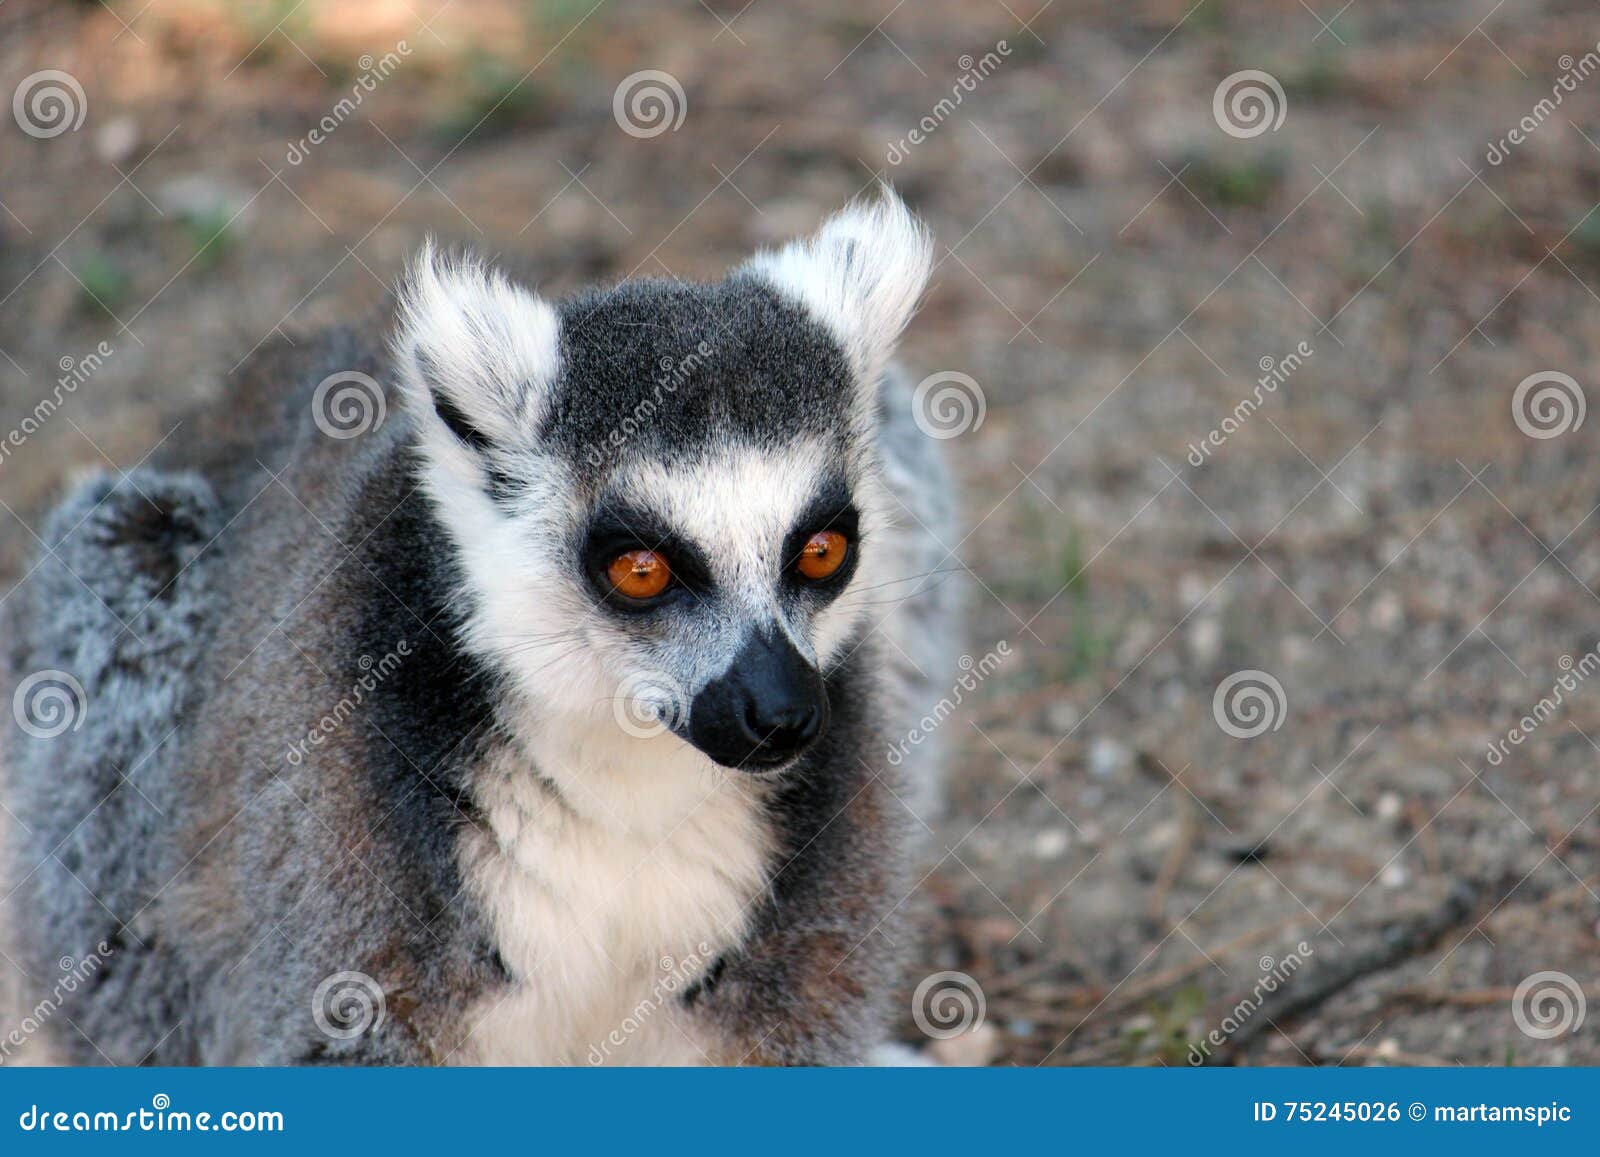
1281	555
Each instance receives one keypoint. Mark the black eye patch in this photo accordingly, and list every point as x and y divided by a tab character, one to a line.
616	528
832	508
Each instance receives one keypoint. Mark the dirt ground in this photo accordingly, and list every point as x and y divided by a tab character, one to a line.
1390	542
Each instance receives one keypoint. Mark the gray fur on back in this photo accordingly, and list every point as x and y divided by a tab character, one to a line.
116	605
924	607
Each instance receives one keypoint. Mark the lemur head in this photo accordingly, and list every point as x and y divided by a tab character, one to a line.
664	495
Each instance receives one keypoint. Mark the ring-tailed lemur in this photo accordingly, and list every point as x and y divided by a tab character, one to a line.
542	721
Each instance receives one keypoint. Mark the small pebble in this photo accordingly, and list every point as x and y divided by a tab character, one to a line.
117	140
1387	611
1062	717
1050	843
1107	757
1205	640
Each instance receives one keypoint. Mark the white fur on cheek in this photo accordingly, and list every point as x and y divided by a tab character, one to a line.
604	853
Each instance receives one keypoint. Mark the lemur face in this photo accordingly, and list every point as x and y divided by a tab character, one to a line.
664	496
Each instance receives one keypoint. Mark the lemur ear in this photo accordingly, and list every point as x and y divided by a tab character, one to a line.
861	275
476	351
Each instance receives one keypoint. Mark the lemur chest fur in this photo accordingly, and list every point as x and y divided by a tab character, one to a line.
610	888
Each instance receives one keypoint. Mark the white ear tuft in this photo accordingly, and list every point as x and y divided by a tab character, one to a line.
861	275
476	351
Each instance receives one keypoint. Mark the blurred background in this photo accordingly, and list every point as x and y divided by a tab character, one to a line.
1262	334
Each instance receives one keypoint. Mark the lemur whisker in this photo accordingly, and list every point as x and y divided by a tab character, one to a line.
557	659
524	641
963	569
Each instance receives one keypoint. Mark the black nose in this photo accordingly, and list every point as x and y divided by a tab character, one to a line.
785	725
768	707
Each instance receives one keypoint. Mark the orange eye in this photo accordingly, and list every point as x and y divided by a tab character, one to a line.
639	574
822	554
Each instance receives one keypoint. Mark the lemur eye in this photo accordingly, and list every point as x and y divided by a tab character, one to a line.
822	555
639	574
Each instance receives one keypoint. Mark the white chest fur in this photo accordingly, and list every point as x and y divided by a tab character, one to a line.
611	883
